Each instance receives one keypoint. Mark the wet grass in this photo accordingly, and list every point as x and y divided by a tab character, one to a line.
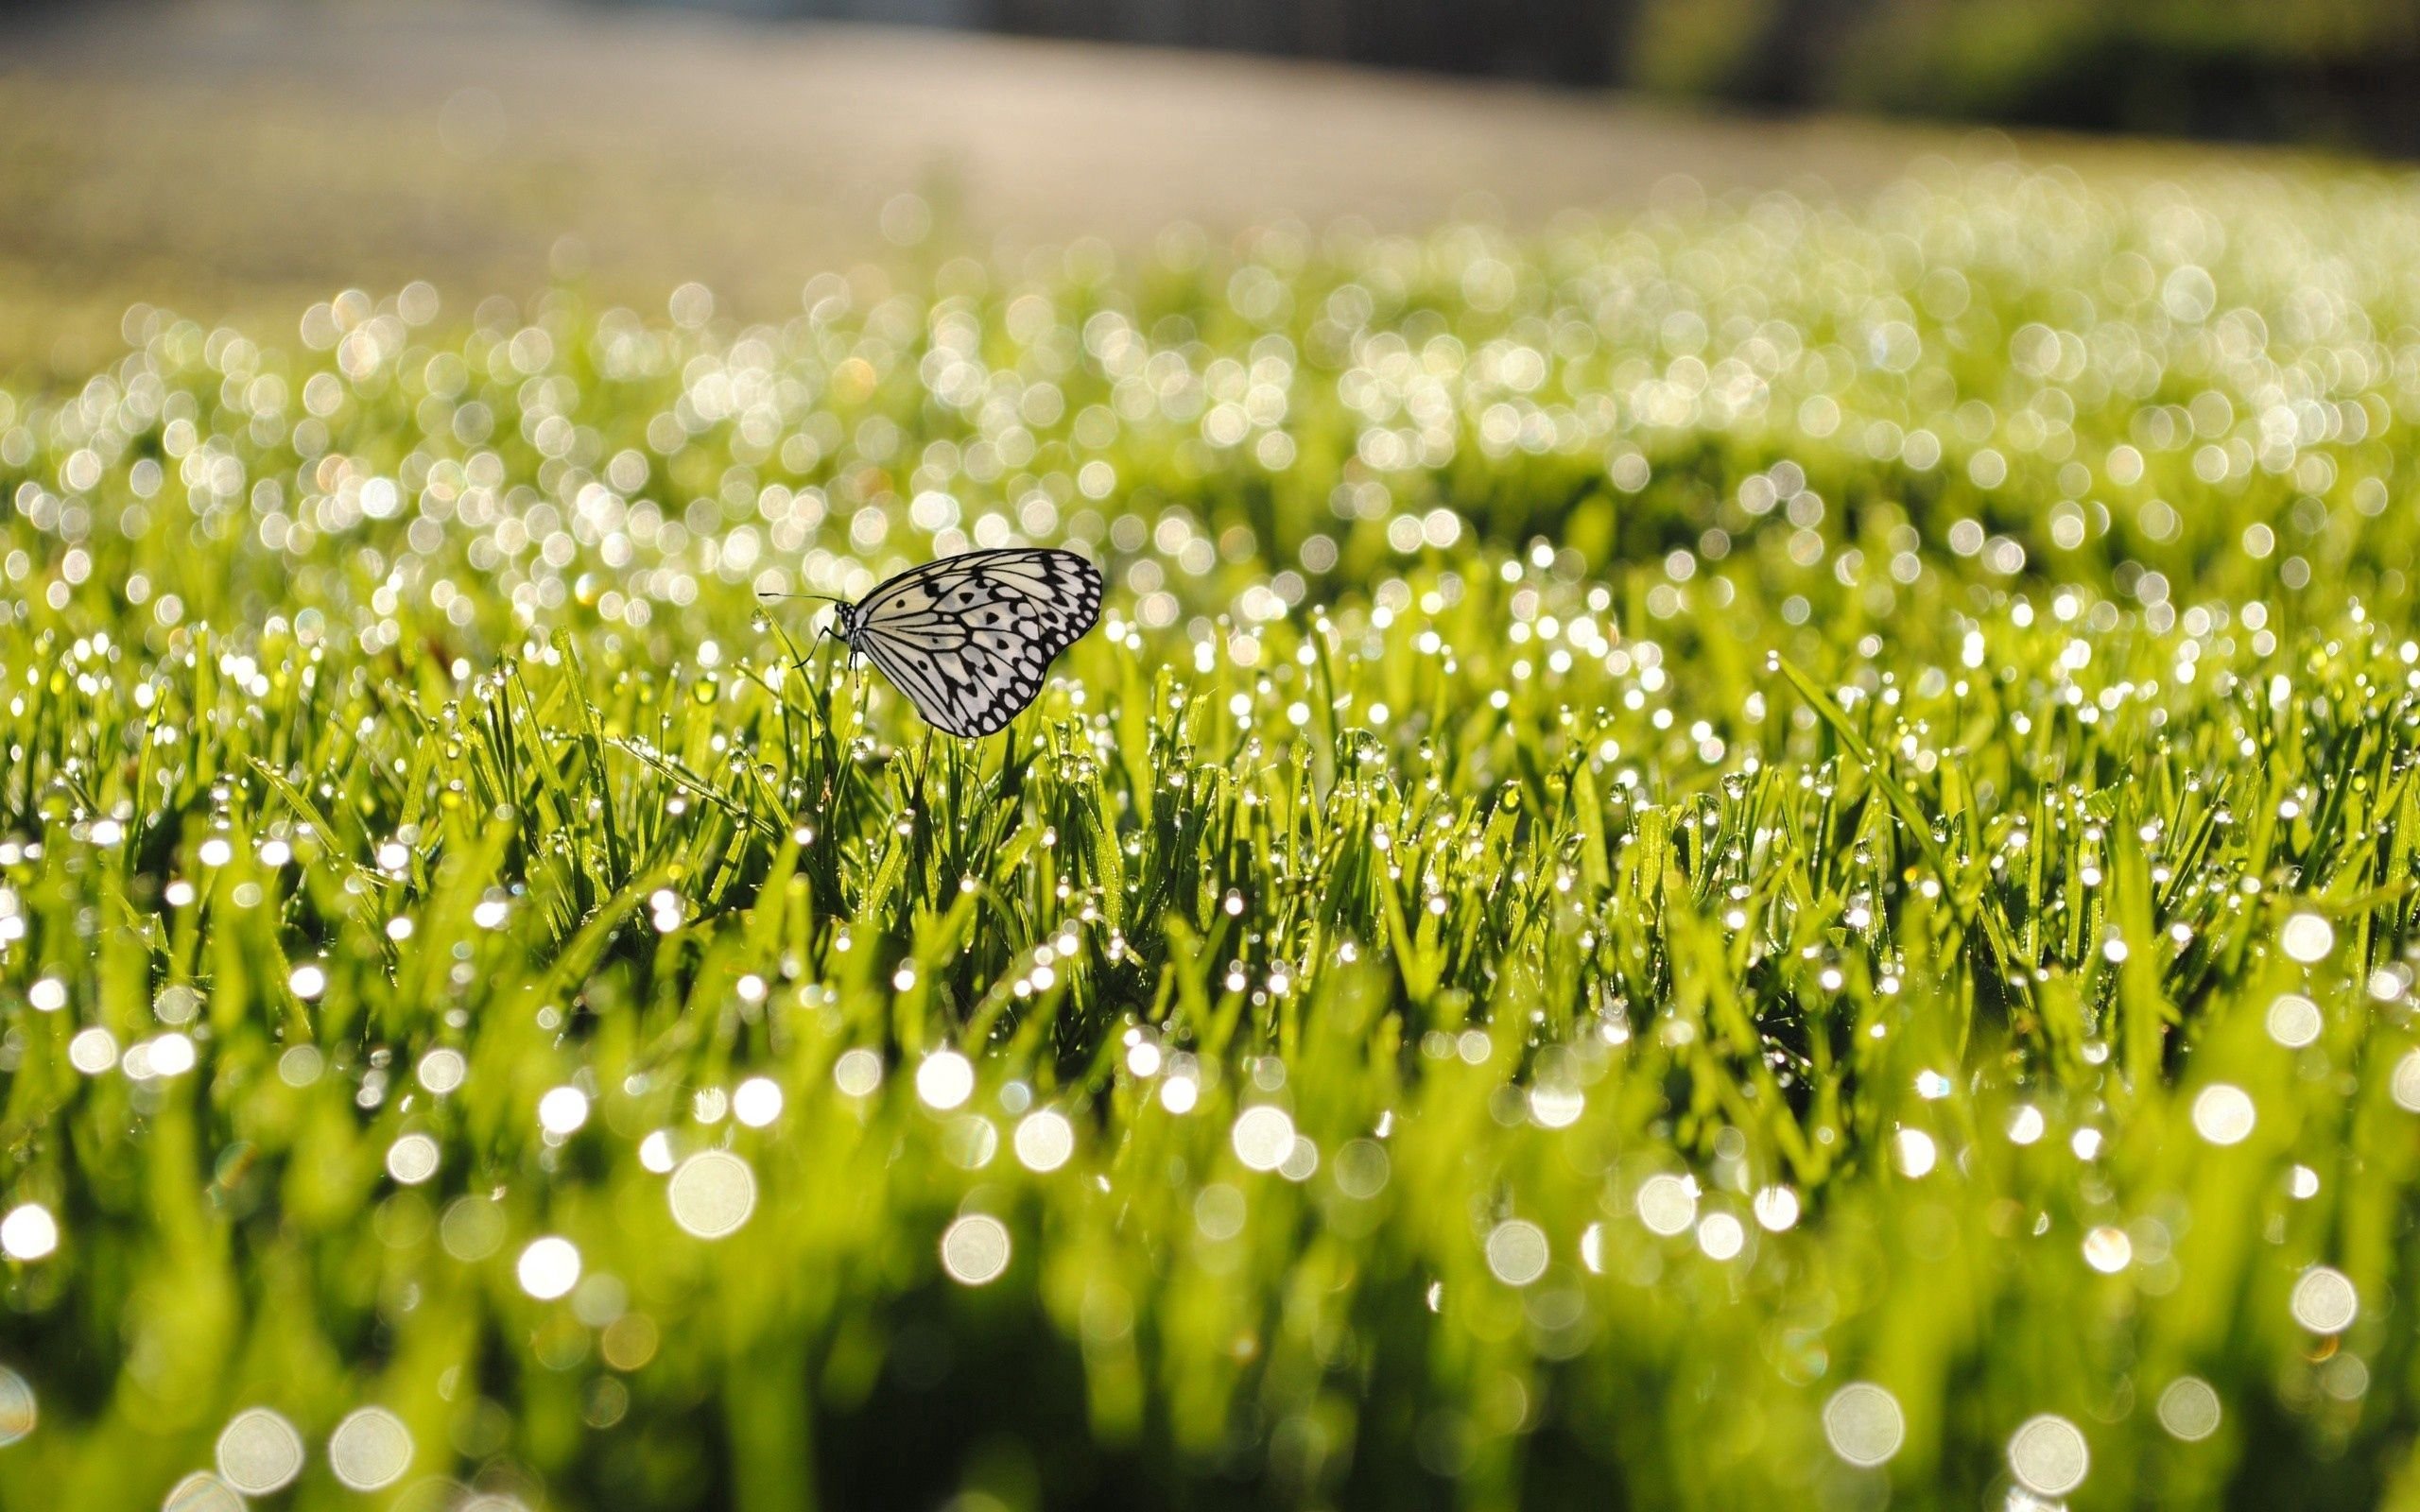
1760	854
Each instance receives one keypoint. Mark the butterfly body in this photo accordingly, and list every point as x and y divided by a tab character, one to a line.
969	639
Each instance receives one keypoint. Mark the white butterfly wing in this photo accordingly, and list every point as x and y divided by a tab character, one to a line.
969	639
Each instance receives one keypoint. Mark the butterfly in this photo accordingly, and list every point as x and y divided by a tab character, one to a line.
968	637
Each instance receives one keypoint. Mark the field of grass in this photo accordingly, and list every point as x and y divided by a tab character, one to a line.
1761	856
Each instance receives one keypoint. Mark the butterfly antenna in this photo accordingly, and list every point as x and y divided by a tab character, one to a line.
825	597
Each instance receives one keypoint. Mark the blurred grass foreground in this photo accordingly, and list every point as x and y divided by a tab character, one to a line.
1757	855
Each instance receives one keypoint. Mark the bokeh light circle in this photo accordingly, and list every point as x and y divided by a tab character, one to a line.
1863	1424
369	1449
711	1193
259	1452
975	1249
2048	1455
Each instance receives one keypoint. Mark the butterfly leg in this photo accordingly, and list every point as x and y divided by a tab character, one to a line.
802	657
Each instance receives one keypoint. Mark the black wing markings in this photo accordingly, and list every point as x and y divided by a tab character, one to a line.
970	638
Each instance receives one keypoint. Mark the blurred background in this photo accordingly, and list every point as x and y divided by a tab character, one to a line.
238	158
2345	71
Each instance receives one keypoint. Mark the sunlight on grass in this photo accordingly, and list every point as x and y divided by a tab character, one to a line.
1759	855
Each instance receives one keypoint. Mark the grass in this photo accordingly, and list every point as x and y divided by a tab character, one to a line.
1758	854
